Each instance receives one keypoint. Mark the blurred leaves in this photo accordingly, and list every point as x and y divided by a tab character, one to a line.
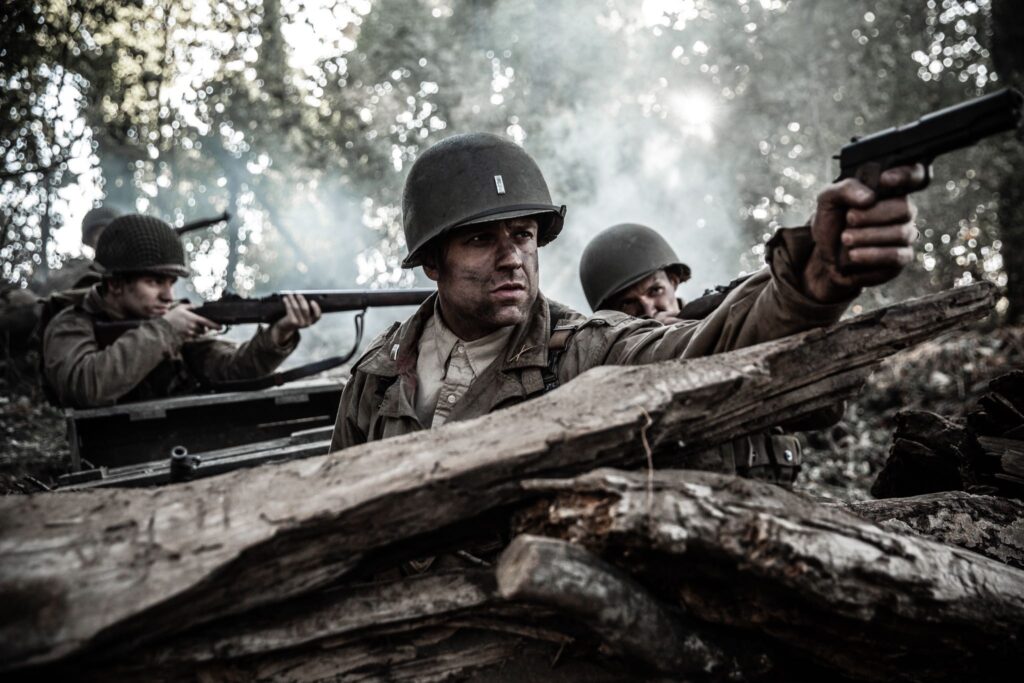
303	117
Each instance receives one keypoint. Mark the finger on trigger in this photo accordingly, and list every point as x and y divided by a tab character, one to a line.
848	192
206	322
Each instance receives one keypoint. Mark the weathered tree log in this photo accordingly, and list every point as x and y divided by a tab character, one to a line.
414	628
988	525
840	591
572	581
87	570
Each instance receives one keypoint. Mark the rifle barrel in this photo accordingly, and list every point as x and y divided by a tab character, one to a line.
203	223
232	310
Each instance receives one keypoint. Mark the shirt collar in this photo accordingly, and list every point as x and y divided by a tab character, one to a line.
528	346
480	352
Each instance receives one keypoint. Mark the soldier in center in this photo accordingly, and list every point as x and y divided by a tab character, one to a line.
476	210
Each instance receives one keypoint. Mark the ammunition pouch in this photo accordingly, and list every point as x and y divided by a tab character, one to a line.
773	456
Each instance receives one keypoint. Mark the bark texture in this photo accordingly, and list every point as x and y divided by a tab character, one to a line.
842	592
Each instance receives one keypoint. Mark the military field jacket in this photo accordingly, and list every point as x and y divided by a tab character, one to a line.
150	361
379	399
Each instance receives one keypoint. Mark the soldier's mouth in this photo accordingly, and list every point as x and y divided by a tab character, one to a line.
510	287
510	292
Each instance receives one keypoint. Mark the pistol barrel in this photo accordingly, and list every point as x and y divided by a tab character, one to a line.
949	129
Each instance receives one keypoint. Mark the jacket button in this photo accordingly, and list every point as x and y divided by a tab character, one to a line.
788	455
451	398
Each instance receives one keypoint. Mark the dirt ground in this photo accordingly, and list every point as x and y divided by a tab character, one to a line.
946	376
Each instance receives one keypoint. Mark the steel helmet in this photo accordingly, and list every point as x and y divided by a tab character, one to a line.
95	220
140	244
473	178
621	256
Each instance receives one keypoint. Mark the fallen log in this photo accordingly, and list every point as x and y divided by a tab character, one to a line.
107	570
988	525
841	592
572	581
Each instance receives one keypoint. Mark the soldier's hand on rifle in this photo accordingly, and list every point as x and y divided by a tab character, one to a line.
299	313
861	239
190	325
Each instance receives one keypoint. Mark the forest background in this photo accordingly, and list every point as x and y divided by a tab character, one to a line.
713	121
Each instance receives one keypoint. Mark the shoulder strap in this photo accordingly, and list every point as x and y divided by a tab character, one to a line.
563	326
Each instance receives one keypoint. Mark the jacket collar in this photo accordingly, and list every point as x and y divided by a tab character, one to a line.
96	304
528	345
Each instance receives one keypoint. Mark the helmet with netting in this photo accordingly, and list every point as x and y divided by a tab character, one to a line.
140	244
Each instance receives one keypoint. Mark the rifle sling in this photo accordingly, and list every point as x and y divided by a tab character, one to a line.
279	378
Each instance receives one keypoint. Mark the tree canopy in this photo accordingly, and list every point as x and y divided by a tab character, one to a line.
713	121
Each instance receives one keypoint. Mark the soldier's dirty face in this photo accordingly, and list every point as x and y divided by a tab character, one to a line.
487	278
655	294
147	296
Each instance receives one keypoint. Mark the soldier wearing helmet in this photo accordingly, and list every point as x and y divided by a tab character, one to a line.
476	211
79	272
631	268
140	258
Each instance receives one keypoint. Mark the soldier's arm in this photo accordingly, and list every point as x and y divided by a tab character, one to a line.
83	375
218	361
768	305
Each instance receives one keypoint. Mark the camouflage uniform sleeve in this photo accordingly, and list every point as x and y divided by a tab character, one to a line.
217	361
83	375
768	305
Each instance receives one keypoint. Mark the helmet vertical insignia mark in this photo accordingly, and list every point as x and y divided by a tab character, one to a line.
499	184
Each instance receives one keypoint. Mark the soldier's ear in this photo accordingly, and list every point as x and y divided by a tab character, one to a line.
433	259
